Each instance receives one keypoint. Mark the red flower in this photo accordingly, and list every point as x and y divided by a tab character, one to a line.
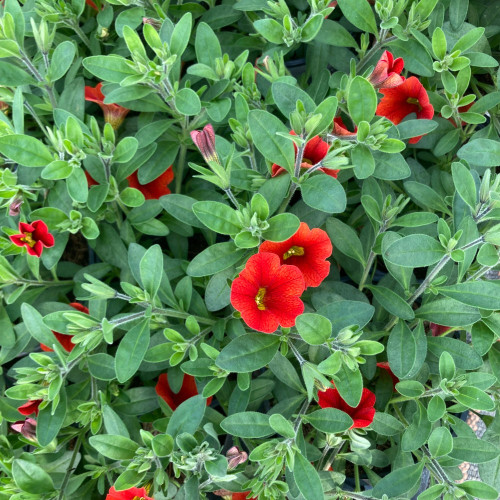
340	129
90	180
399	102
267	294
438	330
307	249
130	494
30	407
113	113
156	188
386	74
205	142
34	237
315	150
187	390
91	4
228	495
26	427
385	366
65	340
362	415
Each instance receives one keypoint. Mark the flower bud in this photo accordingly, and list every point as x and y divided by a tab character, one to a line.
205	142
235	457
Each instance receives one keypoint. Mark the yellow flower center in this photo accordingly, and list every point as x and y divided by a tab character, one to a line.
28	239
414	100
259	299
299	251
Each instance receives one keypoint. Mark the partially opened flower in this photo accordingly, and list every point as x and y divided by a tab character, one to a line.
267	294
340	129
156	188
65	340
205	142
174	399
26	427
130	494
307	249
34	237
362	415
316	149
114	114
401	101
235	457
387	72
30	407
384	365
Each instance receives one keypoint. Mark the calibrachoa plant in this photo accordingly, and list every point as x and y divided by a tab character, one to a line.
246	249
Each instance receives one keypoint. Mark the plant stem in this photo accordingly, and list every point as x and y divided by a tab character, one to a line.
180	168
39	78
83	37
230	195
286	201
376	46
297	354
357	485
34	114
69	471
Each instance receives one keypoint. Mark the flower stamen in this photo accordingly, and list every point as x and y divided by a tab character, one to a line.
259	299
298	251
27	238
414	100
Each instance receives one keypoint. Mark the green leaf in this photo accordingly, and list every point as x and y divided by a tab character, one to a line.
329	420
333	33
410	388
392	302
398	482
25	150
436	409
248	352
327	110
31	477
264	128
61	60
414	128
418	431
468	40
214	259
13	76
464	355
181	207
481	152
180	36
440	442
344	313
359	13
131	351
349	384
325	193
448	312
362	98
286	96
439	43
390	167
386	425
307	479
34	324
187	102
473	450
217	216
415	250
110	68
481	294
270	29
101	366
281	227
114	447
425	197
475	399
345	239
151	269
162	445
249	424
479	489
464	184
207	45
125	150
314	328
281	425
311	27
363	161
406	350
417	59
188	416
48	424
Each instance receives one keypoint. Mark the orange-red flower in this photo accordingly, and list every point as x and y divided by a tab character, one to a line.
384	365
156	188
34	237
65	340
387	72
362	415
228	495
438	330
205	142
130	494
113	113
267	294
316	149
399	102
188	390
30	407
340	129
307	249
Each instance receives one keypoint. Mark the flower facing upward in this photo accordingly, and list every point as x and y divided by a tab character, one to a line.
34	237
362	415
205	142
156	188
267	294
30	407
26	427
65	340
113	113
130	494
316	149
399	102
339	128
187	390
387	72
307	249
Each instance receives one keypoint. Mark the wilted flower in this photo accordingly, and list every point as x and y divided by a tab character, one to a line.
15	206
153	22
236	457
27	428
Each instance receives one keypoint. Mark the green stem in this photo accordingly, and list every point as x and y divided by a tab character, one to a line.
286	201
357	484
376	46
34	114
69	470
42	283
180	168
83	37
230	195
39	78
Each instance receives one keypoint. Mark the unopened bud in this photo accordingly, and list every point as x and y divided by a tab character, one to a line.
15	206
